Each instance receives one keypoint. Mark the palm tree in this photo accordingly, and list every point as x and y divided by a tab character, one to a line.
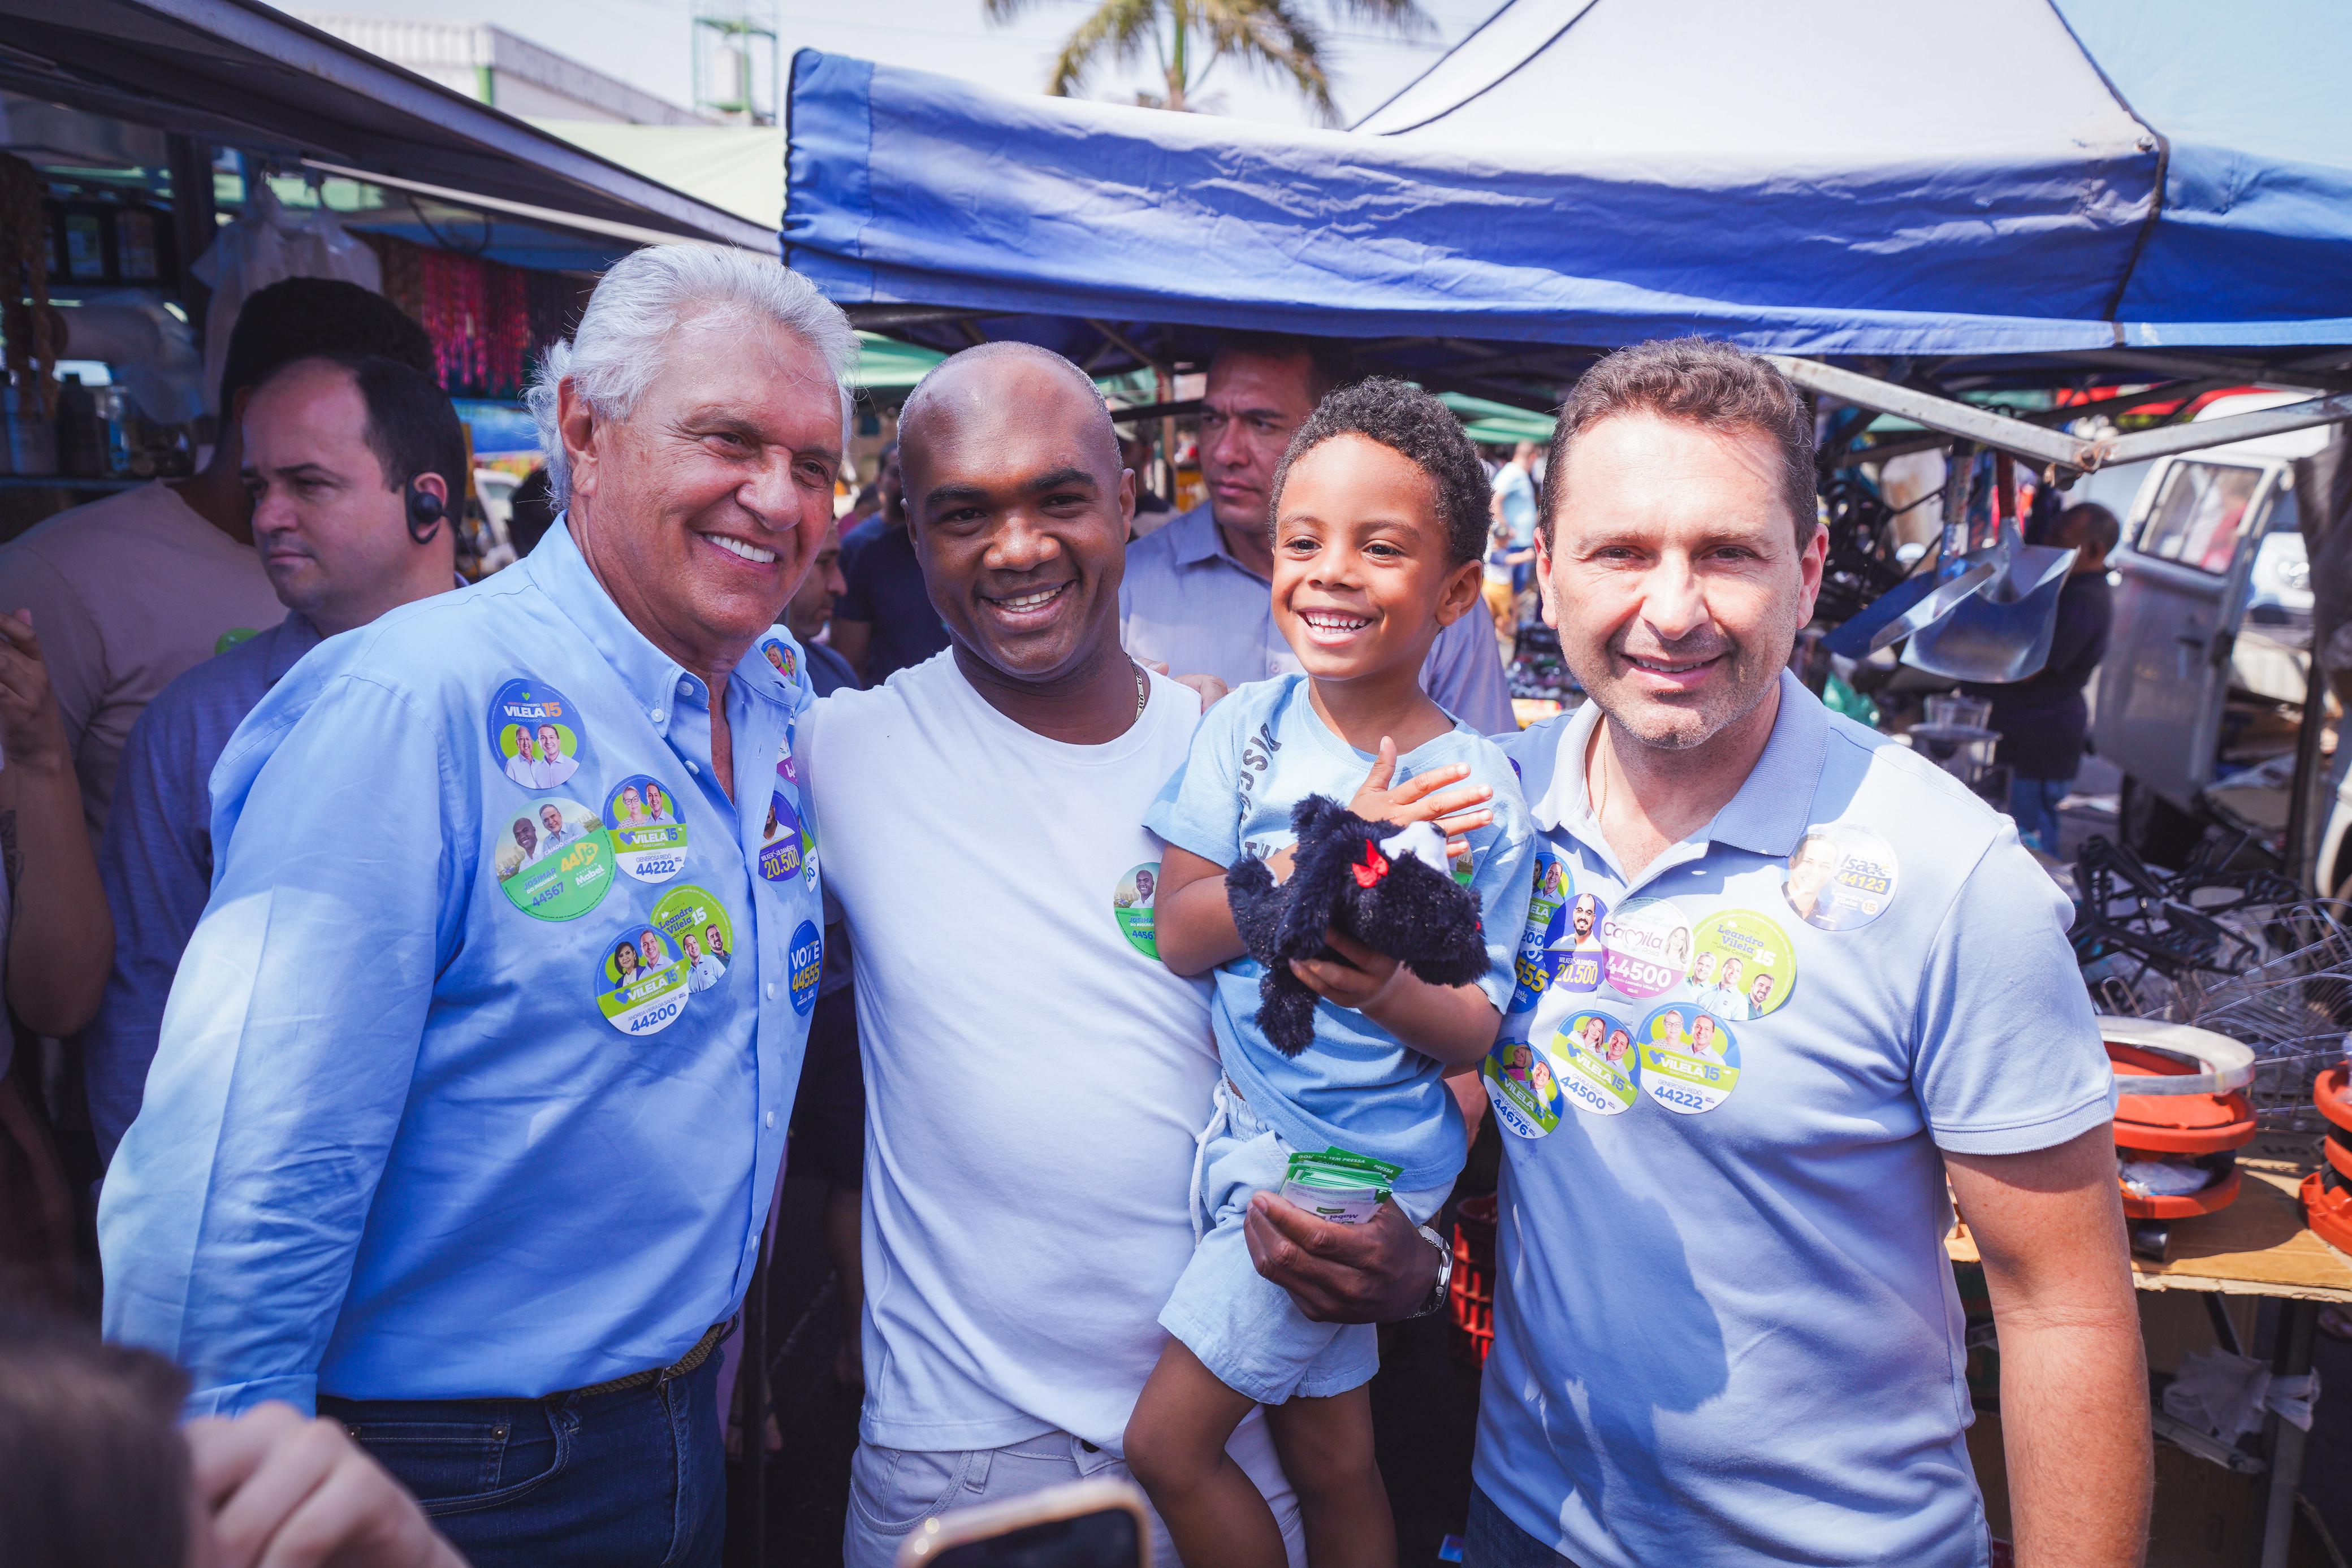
1188	37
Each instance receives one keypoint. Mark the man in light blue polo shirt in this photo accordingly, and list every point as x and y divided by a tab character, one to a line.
417	1147
1725	1330
1198	593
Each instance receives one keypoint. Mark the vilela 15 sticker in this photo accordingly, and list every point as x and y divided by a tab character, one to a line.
1690	1063
780	653
1538	959
642	982
553	859
697	925
1744	967
805	965
1841	877
535	733
1646	948
1131	905
1522	1088
1578	943
1596	1063
648	838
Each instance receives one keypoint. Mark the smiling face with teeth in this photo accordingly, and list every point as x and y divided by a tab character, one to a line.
1672	568
1020	507
701	509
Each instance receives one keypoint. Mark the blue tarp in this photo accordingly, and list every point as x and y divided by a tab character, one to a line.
1970	177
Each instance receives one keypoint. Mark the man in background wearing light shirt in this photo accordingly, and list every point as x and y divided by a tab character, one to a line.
136	588
1198	595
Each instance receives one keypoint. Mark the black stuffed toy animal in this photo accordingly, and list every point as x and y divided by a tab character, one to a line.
1372	880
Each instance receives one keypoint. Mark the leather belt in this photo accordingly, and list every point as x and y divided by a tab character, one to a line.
685	1365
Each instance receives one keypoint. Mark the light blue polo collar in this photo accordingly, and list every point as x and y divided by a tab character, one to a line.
1769	814
657	681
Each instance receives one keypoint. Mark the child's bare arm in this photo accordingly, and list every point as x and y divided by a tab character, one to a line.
1192	923
1454	1024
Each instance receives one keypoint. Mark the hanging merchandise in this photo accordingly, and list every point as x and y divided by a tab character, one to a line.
457	317
266	244
24	315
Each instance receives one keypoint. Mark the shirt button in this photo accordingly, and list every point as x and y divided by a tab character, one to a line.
772	991
771	1118
656	716
690	768
684	687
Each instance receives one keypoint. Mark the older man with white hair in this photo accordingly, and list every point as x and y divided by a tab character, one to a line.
413	1152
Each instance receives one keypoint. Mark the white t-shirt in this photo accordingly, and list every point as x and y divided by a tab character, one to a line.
1034	1075
126	593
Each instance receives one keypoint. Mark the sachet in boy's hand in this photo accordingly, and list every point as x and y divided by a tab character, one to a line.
1383	885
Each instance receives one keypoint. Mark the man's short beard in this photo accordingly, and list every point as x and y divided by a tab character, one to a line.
1679	740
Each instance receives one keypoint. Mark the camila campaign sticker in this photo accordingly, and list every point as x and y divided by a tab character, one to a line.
780	653
1646	948
1690	1063
1522	1088
1547	917
648	839
1131	906
535	733
641	982
1598	1068
1744	967
804	964
552	858
697	925
1577	945
781	840
1841	877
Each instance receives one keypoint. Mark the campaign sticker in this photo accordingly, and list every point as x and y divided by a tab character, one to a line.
648	839
552	858
780	653
1131	905
1646	948
808	854
804	964
781	840
1578	943
1598	1068
1841	877
642	982
786	768
1546	916
1743	967
1522	1088
1690	1063
535	732
697	925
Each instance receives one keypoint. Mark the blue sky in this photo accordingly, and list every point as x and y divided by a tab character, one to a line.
645	42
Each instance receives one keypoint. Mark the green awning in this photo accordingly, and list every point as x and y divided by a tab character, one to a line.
885	364
1497	424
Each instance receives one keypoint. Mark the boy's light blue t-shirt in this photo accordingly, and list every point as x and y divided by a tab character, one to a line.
1256	755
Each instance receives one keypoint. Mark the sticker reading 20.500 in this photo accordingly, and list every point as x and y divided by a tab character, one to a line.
1690	1063
648	839
535	733
553	860
697	925
642	982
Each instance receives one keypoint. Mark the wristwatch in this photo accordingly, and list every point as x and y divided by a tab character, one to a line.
1436	1302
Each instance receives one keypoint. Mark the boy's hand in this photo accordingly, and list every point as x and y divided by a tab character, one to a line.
1358	983
1425	799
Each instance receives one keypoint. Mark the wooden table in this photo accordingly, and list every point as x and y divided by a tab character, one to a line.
2258	1246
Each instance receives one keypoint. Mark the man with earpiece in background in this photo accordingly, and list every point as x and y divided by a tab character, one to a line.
355	464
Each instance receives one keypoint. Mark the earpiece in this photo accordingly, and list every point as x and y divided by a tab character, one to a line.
425	513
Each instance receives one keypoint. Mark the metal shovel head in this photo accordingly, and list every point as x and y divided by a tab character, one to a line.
2002	632
1902	610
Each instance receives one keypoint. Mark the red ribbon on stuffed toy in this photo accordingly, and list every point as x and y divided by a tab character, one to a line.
1374	865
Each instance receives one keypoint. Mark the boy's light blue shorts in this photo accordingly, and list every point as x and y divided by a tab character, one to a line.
1242	1326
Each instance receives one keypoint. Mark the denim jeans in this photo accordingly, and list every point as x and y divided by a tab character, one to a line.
2033	807
627	1479
1495	1541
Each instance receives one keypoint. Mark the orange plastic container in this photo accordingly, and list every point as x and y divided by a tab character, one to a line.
1470	1297
2327	1193
2193	1125
2333	1095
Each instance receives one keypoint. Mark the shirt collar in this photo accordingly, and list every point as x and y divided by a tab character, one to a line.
657	681
1770	813
1197	538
